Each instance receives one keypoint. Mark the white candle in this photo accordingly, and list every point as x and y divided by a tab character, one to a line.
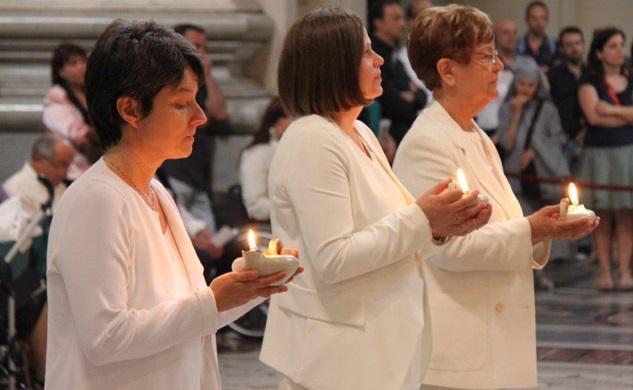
266	264
574	210
463	185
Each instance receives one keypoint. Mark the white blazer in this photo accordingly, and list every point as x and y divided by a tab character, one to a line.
480	286
123	313
354	319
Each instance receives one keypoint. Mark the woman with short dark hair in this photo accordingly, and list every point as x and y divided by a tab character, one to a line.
355	319
128	304
480	286
606	99
65	112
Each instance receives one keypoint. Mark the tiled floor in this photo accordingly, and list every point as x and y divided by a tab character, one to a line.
585	338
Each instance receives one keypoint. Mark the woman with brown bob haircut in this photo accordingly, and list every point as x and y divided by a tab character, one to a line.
360	233
480	286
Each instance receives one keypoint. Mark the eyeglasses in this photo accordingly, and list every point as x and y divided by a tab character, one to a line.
488	59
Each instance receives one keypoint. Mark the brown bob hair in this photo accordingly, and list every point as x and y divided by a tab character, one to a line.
320	63
446	32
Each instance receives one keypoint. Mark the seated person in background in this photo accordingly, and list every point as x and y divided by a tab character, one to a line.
51	157
190	177
539	153
256	158
65	112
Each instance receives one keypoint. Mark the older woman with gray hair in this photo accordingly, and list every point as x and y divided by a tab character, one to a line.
531	135
479	286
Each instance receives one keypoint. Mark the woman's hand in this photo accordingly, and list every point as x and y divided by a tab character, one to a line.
451	213
604	108
526	158
233	289
518	102
546	224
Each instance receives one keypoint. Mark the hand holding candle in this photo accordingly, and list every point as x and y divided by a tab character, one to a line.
463	185
574	210
270	262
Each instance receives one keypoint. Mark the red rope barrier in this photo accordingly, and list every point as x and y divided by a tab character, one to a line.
562	181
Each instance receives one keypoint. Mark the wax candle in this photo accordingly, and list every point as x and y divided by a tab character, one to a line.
575	209
267	264
463	185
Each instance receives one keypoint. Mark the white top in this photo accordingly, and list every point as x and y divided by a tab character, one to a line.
355	318
254	167
480	286
31	191
122	313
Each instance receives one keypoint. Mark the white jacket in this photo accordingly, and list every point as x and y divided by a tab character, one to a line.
480	286
32	192
123	314
355	318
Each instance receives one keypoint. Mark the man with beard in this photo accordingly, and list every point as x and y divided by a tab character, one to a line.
564	80
536	43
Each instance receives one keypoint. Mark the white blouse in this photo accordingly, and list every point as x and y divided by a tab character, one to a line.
254	167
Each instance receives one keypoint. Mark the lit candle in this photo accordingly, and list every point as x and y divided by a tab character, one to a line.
574	210
463	185
269	263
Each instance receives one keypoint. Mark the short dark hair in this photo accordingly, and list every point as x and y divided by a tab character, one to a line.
320	62
599	40
135	59
184	27
446	32
535	4
377	11
570	30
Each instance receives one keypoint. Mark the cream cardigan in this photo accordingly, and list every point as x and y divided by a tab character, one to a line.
123	313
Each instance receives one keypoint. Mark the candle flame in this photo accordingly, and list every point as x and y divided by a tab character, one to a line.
573	193
252	245
461	180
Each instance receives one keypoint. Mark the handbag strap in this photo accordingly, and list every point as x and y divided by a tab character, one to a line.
537	111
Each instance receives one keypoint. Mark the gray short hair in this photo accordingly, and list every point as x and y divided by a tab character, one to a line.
44	146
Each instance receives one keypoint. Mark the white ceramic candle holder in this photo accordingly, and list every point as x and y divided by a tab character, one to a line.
267	265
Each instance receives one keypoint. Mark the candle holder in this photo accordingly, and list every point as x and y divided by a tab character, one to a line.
570	208
267	263
462	184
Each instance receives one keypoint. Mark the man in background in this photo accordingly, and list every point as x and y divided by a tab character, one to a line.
536	43
401	99
564	80
50	158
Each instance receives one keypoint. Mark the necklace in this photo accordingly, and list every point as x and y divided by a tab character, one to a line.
148	196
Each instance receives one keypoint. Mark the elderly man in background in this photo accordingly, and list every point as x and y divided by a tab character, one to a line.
50	158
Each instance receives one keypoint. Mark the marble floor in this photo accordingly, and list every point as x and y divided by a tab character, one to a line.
585	338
